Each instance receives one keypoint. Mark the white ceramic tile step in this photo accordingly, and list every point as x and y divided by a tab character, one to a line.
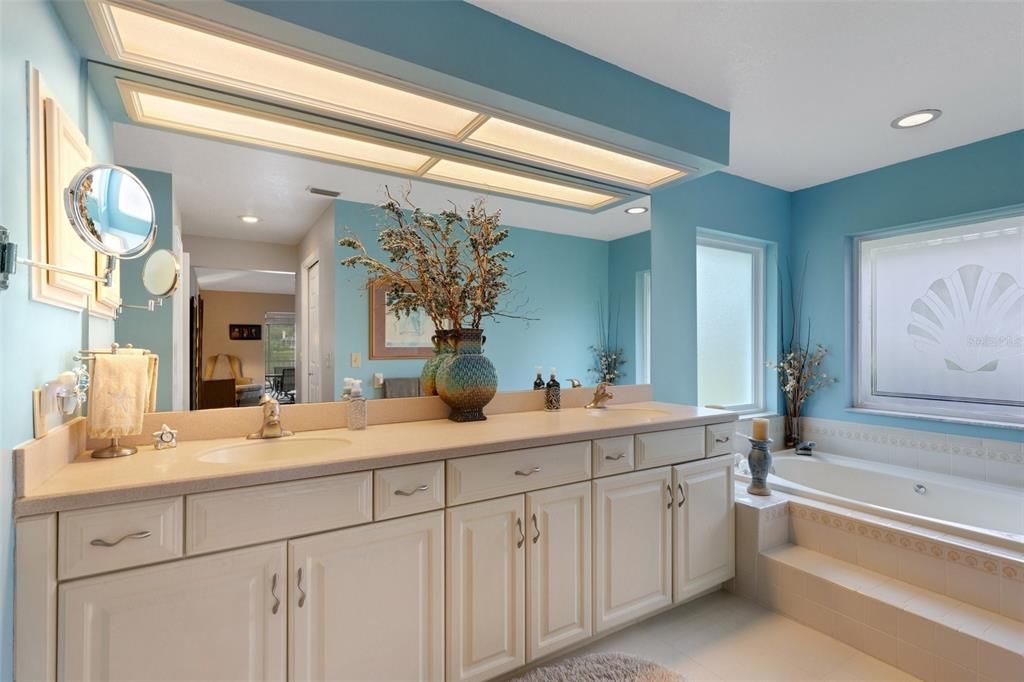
928	635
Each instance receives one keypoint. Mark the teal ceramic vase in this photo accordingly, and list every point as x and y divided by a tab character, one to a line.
466	380
442	349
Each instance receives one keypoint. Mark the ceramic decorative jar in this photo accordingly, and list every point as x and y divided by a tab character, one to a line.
466	380
760	462
442	349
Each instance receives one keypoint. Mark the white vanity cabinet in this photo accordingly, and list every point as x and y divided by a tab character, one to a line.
704	527
221	617
367	603
632	546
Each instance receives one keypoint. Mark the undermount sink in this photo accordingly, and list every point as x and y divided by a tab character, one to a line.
273	450
628	412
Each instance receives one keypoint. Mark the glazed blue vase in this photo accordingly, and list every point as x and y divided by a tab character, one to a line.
442	349
466	380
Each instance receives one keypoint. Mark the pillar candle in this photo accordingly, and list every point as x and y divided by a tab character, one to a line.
760	429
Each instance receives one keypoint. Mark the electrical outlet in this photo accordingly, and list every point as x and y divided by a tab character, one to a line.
378	380
356	360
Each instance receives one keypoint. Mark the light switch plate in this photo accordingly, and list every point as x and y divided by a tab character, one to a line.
356	360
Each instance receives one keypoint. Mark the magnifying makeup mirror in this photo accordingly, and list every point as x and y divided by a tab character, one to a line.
111	211
161	274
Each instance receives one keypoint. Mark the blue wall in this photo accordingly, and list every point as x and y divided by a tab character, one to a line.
564	279
979	177
143	329
36	341
627	257
716	202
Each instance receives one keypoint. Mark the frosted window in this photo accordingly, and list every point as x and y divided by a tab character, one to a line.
729	324
643	327
941	322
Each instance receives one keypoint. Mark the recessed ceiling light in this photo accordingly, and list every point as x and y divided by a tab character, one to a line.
636	210
916	118
251	219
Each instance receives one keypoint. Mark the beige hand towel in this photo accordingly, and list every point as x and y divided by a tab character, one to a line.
119	394
154	372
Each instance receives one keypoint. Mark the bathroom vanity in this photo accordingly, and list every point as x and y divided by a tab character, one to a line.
416	551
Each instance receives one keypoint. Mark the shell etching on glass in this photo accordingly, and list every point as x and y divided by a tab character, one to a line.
970	319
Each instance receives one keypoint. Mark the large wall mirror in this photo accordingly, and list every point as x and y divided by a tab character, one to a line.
265	306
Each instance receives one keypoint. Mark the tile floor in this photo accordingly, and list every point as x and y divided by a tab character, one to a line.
725	637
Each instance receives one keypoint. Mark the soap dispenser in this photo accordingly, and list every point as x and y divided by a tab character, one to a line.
357	407
538	383
553	393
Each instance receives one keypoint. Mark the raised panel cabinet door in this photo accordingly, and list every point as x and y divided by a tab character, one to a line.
486	588
370	602
632	546
221	617
559	592
704	528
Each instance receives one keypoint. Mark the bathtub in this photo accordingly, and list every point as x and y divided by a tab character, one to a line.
958	506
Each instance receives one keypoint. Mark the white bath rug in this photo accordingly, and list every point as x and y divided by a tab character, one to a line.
602	668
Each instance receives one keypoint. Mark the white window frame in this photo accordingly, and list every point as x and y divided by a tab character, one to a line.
643	327
864	398
758	286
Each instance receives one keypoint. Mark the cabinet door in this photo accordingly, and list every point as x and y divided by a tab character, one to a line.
632	546
220	617
370	605
486	588
559	567
704	528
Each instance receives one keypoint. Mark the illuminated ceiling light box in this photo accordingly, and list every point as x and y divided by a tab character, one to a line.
188	47
178	111
569	154
169	109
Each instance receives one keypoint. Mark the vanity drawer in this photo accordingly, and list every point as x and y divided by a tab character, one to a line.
721	439
412	489
119	536
669	447
613	456
247	516
505	473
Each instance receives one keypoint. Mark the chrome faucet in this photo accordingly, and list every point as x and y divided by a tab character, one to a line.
271	427
601	396
806	448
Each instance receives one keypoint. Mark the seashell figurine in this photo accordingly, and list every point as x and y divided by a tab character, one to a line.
970	319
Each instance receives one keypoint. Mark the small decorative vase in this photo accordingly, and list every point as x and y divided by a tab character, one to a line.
792	430
466	380
442	349
760	462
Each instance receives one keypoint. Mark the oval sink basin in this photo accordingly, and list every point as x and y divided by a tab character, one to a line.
275	450
626	412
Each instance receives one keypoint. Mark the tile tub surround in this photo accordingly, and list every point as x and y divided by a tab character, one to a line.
994	461
150	474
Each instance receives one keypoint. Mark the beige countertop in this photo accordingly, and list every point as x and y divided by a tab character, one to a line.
149	474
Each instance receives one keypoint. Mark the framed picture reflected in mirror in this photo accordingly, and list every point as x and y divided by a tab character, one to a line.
396	338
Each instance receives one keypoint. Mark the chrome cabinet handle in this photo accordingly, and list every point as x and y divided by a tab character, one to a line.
302	597
528	472
682	495
273	593
669	496
536	528
615	458
418	489
522	536
722	440
139	535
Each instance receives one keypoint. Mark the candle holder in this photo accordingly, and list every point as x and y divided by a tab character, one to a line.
760	462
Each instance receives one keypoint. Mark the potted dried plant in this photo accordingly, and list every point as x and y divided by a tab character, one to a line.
451	267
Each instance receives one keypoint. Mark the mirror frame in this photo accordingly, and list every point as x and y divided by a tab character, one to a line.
72	194
177	275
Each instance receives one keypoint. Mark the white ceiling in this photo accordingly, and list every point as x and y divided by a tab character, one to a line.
812	86
216	182
248	281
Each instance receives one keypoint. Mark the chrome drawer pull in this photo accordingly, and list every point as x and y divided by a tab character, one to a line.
682	494
615	458
418	489
722	440
522	536
273	593
536	528
302	598
528	472
140	535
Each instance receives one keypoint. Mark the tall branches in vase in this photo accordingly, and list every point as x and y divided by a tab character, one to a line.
608	354
799	366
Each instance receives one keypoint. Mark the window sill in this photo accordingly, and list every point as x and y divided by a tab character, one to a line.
1012	426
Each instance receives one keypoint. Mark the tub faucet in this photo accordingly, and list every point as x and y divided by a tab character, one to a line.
601	396
271	427
806	448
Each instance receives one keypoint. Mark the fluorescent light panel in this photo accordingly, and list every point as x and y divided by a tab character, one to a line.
142	39
536	145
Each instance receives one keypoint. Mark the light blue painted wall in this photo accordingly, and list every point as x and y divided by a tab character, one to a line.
36	341
720	202
563	279
979	177
627	257
141	328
